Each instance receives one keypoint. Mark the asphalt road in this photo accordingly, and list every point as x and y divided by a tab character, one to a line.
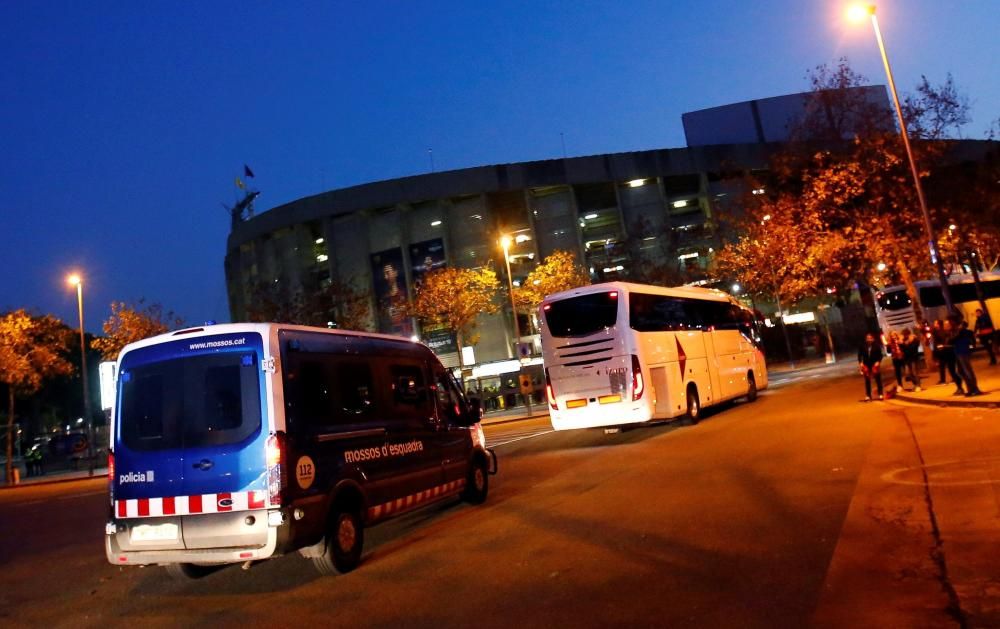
731	522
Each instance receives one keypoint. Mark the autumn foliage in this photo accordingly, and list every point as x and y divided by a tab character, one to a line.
454	298
32	349
128	324
558	272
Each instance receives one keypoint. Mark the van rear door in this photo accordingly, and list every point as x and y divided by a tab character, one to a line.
189	436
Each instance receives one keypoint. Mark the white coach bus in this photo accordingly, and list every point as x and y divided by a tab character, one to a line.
619	353
895	309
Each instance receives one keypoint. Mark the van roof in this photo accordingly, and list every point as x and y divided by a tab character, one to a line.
264	329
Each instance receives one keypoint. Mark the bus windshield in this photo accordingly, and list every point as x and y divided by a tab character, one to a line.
895	300
583	315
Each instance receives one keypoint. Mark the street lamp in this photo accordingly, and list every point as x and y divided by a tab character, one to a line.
858	13
505	242
77	281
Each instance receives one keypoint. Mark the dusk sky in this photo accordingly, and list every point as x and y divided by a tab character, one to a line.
123	125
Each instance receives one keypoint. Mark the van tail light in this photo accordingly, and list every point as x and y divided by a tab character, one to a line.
111	476
551	394
276	481
638	385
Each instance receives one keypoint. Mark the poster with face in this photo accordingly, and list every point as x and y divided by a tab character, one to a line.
425	257
391	296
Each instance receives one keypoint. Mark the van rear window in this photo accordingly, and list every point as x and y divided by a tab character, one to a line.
194	401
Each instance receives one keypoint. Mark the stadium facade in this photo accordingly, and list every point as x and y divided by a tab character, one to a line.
619	214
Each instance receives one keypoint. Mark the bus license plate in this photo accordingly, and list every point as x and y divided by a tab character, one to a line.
154	532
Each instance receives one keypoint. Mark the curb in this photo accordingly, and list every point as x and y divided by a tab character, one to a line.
963	403
54	481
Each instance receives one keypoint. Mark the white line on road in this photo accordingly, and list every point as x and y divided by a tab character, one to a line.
539	434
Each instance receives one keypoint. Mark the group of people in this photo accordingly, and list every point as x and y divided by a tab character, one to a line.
952	344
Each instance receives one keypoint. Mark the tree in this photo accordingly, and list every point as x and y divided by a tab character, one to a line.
454	297
32	349
341	302
128	324
559	271
933	113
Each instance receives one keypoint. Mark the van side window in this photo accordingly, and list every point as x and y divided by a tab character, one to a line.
355	389
409	392
450	404
324	390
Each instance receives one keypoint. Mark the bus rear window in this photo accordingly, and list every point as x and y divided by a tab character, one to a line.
194	401
896	300
583	315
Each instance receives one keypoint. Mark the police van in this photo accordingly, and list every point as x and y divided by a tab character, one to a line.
235	443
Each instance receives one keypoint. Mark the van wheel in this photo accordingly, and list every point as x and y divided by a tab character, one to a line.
344	541
477	484
187	571
751	387
694	405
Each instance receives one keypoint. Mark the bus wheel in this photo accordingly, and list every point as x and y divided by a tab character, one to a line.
694	405
187	571
477	484
344	541
751	387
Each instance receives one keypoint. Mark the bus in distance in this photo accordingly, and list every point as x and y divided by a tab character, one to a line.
894	308
619	353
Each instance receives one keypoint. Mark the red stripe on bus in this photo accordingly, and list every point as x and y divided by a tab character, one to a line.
168	506
194	504
143	507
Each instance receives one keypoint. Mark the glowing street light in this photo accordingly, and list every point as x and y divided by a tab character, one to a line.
858	13
77	281
505	242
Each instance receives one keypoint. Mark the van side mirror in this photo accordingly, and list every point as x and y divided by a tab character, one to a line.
475	413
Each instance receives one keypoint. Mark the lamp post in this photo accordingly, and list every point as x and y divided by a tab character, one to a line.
505	242
858	13
77	281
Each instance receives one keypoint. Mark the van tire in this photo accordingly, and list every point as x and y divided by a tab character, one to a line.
751	387
344	542
477	483
693	405
187	571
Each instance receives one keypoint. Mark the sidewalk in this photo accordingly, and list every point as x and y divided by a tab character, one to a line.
917	547
987	375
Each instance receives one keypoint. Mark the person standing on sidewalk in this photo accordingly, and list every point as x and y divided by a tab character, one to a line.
963	341
946	352
895	350
911	357
985	333
938	340
869	363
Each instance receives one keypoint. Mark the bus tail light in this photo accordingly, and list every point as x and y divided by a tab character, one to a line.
275	452
550	393
638	386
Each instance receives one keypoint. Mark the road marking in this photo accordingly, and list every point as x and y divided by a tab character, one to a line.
44	500
503	443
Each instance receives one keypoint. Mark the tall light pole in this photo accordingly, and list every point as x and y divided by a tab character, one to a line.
77	281
505	242
858	13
